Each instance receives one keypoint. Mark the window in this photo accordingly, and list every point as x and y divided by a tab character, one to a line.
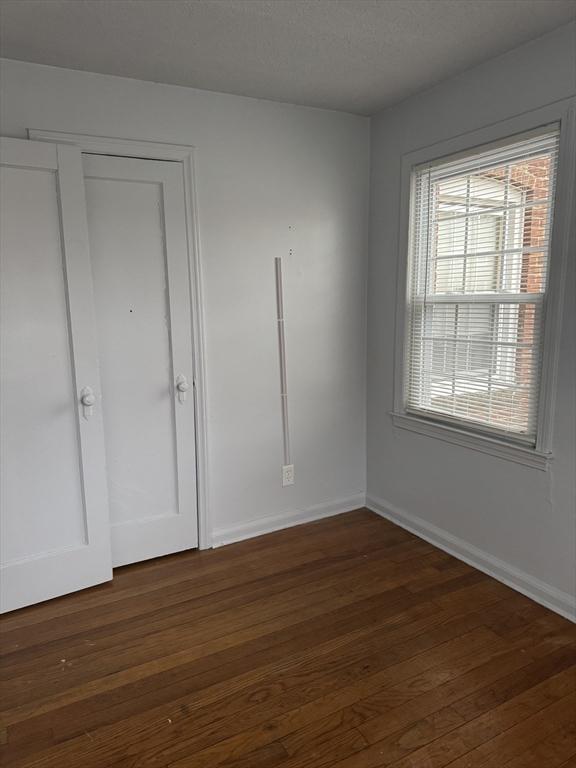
478	260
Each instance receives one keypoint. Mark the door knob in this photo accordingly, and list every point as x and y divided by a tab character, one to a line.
88	399
182	387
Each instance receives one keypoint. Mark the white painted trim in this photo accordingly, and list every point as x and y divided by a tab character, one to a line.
537	590
559	112
287	519
554	302
154	150
19	153
110	145
476	441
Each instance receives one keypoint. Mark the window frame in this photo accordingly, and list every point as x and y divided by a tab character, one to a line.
483	438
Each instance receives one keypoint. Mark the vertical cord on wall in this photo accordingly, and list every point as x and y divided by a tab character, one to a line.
282	358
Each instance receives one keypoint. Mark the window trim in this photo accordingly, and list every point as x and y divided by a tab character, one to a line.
483	439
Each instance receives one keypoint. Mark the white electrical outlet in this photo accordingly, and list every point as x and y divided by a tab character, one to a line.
288	474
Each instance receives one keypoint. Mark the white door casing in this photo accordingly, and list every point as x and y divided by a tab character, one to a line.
55	523
139	255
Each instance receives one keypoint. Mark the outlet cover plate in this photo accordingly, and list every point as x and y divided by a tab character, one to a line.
288	474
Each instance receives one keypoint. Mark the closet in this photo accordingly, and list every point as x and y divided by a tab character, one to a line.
97	405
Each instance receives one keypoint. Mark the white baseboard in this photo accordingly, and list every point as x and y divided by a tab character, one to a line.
545	594
288	519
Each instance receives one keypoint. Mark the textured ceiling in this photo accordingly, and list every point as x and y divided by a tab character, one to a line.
352	55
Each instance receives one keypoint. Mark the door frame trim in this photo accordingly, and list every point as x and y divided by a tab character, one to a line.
184	154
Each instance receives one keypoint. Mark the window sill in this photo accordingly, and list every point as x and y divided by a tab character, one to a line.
483	443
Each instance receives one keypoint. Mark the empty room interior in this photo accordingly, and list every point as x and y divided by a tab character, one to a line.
288	383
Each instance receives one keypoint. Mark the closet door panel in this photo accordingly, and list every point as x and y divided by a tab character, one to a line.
139	254
39	432
54	509
125	222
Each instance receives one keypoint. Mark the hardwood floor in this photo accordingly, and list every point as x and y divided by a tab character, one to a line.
346	643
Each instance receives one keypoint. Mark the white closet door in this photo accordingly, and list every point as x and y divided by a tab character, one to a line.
55	525
139	254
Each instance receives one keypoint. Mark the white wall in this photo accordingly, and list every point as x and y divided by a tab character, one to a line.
517	521
262	167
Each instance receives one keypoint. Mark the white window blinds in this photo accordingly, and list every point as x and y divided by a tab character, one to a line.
478	261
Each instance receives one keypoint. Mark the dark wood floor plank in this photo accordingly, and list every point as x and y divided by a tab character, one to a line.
552	751
150	575
283	724
296	584
380	601
460	739
204	574
219	728
345	643
191	608
523	736
351	666
411	725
